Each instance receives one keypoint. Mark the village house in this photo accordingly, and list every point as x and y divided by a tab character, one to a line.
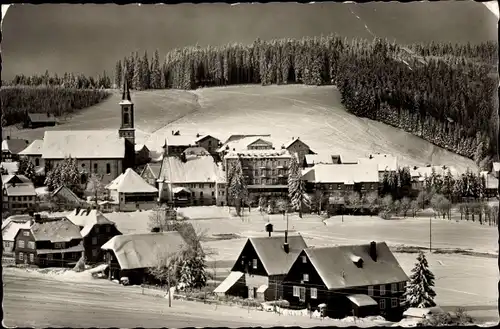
9	232
359	280
176	143
130	255
334	182
19	194
313	159
64	197
129	192
107	153
142	155
238	142
192	182
49	242
38	120
261	267
418	175
490	184
33	153
96	229
385	162
11	148
151	172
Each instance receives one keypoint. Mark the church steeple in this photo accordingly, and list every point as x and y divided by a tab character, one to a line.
127	130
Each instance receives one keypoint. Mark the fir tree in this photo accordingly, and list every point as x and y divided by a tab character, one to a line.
419	292
237	185
146	74
156	72
118	74
27	169
137	77
296	186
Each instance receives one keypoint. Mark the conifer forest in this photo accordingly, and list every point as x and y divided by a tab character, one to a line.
443	93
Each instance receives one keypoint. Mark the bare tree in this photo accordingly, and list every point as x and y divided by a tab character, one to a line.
354	201
371	200
405	206
415	207
95	186
158	220
166	269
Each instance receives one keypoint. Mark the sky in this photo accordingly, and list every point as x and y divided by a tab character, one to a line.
91	38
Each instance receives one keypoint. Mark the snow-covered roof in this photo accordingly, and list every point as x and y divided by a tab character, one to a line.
362	300
35	148
230	280
83	144
59	230
385	162
9	231
427	171
22	189
341	173
131	182
241	142
11	167
281	153
14	145
41	117
144	250
322	158
194	170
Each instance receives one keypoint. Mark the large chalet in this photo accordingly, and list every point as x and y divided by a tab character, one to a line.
359	280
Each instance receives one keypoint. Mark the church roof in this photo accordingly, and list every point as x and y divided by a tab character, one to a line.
131	182
83	144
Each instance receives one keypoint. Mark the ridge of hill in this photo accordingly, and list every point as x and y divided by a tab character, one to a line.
315	114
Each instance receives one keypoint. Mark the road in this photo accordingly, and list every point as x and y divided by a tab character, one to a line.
36	301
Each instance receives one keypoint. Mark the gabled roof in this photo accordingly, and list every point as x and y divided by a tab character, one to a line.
202	137
11	167
293	141
323	158
194	170
341	173
35	148
196	151
71	196
14	145
88	218
9	231
143	250
140	147
41	117
154	168
16	218
272	255
9	179
385	162
490	180
24	189
83	144
131	182
240	142
338	271
56	230
181	140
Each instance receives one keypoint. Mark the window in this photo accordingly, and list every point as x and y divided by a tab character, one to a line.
213	193
94	240
21	256
370	291
32	258
402	286
394	288
314	293
95	168
37	162
304	259
97	229
59	245
382	290
254	263
338	186
20	243
201	194
372	186
94	252
108	229
296	291
31	244
108	168
394	302
305	277
382	303
50	257
26	233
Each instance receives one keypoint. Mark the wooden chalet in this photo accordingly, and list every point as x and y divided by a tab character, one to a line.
130	192
95	229
49	242
38	120
19	194
130	255
359	280
11	148
261	267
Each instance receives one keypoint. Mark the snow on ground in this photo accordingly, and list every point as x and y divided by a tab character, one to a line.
42	190
313	113
53	273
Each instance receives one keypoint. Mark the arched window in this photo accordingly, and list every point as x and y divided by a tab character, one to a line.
37	162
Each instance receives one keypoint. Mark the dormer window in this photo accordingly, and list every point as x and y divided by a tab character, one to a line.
304	259
305	277
254	263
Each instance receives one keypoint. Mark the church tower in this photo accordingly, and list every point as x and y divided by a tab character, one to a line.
127	130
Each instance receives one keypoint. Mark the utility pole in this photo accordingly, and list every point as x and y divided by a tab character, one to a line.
169	290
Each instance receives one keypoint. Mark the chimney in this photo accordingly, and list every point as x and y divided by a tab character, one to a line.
197	135
172	132
286	247
373	250
38	218
371	156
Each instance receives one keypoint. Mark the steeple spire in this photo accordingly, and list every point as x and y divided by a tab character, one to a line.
126	91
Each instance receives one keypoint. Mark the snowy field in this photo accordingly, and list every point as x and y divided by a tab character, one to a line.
313	113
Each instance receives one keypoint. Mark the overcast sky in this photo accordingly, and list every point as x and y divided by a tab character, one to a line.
90	38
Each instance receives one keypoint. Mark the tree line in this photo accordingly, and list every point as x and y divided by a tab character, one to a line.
17	100
67	80
440	92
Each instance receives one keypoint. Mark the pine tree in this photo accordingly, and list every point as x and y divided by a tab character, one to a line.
146	74
118	74
27	169
296	186
419	292
155	72
137	77
237	185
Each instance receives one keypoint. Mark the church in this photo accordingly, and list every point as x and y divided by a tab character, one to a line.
107	153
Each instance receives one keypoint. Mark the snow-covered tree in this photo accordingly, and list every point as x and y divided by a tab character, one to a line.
237	185
27	169
118	74
296	186
156	72
419	292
